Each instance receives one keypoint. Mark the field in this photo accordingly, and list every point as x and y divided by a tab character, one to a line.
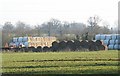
95	62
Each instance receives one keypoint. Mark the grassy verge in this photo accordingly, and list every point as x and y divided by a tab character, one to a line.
96	62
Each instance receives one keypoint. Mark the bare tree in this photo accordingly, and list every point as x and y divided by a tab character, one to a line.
38	29
7	32
51	27
56	26
93	22
22	29
66	27
8	27
116	28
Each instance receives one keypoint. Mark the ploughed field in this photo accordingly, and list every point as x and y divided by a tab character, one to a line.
92	62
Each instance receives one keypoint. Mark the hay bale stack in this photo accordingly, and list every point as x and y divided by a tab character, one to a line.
55	46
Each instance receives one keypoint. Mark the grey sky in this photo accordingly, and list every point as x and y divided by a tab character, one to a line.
38	11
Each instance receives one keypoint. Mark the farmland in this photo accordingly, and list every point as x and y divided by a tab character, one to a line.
93	62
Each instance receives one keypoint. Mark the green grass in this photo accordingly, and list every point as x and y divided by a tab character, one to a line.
95	62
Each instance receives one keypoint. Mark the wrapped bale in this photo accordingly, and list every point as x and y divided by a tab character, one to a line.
91	42
25	39
103	37
84	44
102	47
11	49
55	46
31	48
45	49
106	42
77	45
99	42
20	39
112	42
114	36
35	50
108	37
24	49
93	48
50	49
111	47
39	49
117	41
116	47
15	49
97	37
6	49
70	45
15	39
62	45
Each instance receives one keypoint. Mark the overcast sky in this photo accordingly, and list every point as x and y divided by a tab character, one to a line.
38	11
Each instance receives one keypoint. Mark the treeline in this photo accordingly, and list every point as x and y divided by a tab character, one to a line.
54	27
